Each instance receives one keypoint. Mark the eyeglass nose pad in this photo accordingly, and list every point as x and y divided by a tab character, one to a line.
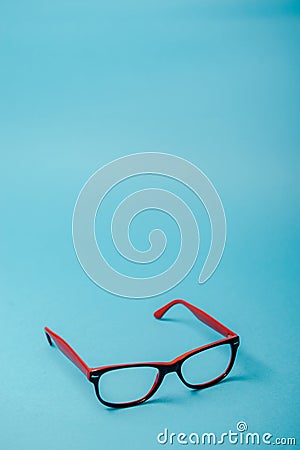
156	379
156	383
179	373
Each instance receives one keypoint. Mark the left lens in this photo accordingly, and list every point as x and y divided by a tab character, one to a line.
206	365
127	384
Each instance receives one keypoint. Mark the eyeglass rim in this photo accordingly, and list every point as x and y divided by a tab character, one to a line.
163	369
92	374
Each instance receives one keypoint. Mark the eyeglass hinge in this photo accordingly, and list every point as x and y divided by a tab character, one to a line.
93	377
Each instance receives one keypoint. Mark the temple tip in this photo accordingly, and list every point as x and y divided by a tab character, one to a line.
48	337
157	314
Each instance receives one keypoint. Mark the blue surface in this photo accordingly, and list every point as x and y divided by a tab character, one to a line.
83	83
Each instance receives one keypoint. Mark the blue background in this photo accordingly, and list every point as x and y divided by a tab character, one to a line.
83	83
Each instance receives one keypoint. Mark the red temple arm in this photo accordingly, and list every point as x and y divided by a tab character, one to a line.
201	315
67	350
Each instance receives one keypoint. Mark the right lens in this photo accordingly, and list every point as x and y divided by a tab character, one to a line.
127	384
207	365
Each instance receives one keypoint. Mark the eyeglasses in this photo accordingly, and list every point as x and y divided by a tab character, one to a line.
124	385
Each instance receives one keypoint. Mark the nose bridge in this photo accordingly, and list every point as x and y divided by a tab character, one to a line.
173	366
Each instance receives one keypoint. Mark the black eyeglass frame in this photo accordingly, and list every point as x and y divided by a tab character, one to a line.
163	368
